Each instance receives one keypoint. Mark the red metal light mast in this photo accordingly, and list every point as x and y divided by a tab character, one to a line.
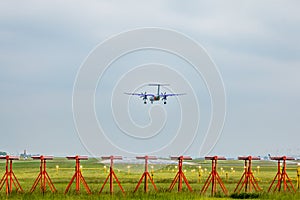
180	175
146	174
43	176
214	177
248	177
78	175
281	176
112	174
9	178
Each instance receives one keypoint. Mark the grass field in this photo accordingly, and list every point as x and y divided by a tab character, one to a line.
129	174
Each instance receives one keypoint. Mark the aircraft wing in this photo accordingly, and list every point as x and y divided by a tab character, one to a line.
139	94
171	94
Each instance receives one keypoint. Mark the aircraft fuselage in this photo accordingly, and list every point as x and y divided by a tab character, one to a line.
154	98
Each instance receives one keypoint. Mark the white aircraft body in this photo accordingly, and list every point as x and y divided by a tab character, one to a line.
155	97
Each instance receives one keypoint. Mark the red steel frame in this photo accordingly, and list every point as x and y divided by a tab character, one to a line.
112	175
214	177
146	174
43	176
9	178
281	176
180	175
247	180
78	175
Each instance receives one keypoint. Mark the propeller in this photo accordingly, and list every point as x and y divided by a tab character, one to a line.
164	96
144	95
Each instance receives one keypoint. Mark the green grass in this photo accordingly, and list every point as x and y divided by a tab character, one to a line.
95	174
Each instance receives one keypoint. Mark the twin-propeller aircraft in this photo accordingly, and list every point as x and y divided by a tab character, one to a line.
155	97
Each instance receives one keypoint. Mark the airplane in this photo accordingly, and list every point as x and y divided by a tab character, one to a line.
155	97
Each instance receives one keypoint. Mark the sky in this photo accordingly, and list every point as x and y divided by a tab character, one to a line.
254	44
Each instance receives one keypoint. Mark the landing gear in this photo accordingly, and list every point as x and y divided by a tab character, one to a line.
145	102
165	102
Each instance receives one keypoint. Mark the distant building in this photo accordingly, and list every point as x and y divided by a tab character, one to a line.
24	155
